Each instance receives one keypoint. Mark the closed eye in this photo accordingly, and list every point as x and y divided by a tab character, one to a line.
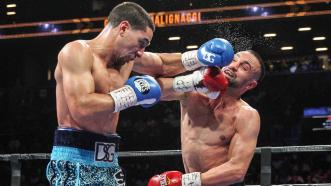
246	66
143	43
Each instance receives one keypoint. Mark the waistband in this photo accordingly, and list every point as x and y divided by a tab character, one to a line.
85	147
81	139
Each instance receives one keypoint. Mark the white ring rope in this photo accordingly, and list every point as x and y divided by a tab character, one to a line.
284	149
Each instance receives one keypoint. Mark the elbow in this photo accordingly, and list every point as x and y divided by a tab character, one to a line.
79	113
239	175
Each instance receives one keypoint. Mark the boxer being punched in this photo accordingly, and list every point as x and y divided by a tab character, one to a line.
218	136
93	85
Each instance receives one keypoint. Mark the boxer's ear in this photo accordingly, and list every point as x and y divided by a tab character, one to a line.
252	84
124	26
105	22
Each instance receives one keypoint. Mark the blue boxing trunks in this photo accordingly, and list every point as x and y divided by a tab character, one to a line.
84	158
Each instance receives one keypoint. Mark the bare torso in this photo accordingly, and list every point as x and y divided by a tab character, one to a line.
105	79
206	131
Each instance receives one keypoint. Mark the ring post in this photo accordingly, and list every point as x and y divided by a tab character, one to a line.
265	175
15	165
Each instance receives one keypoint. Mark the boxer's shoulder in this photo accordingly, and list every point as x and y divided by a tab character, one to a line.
76	46
191	99
245	107
245	110
76	52
247	115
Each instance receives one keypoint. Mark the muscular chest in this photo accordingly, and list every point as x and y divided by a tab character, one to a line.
108	79
210	125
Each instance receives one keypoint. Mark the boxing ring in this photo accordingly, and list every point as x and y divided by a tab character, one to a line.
264	152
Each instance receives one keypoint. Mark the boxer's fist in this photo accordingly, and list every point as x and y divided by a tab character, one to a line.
216	52
138	90
176	178
146	88
209	81
215	80
171	178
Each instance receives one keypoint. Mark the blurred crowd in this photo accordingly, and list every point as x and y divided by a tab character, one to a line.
310	63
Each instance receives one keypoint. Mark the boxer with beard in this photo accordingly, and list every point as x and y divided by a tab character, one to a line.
219	130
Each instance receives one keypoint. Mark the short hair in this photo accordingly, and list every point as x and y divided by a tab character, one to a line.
133	13
262	66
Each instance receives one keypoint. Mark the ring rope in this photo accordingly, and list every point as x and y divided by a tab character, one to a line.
284	149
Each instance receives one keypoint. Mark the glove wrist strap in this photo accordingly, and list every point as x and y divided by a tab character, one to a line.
193	82
123	98
189	83
191	179
190	60
183	83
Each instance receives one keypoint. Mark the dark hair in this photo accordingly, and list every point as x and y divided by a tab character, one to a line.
133	13
262	66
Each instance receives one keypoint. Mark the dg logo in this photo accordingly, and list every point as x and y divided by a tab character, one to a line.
104	151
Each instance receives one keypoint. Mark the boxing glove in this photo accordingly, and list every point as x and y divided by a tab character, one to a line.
215	80
209	80
216	52
138	90
175	178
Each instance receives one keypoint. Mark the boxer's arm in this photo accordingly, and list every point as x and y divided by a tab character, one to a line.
159	64
215	52
75	61
209	81
241	151
168	92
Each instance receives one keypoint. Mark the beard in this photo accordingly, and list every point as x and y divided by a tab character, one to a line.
124	59
120	61
233	83
231	77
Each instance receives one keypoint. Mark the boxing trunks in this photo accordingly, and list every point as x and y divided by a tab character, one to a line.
84	158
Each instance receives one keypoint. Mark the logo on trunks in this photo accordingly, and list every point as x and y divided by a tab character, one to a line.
142	85
104	151
120	178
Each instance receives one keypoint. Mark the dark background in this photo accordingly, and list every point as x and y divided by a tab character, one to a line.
27	94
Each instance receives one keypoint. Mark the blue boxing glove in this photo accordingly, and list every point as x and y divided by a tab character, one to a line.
138	90
215	52
147	90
